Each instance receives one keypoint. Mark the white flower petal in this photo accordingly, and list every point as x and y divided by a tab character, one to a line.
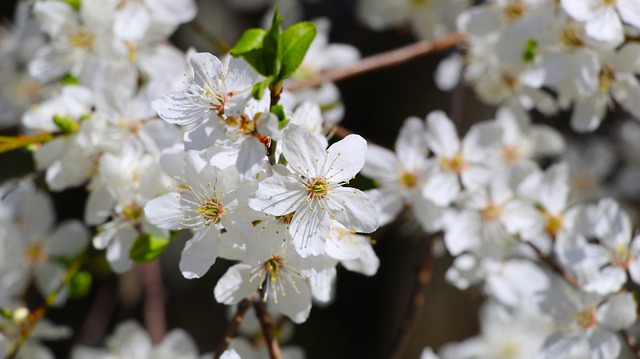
353	209
344	159
234	285
165	211
304	151
200	253
278	195
618	312
606	26
69	239
442	136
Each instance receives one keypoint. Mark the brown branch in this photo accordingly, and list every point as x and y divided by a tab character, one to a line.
386	59
267	329
417	299
99	316
339	132
154	303
631	342
234	326
554	266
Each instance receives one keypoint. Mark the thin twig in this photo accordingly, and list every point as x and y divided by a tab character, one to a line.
417	299
234	326
50	299
267	329
554	266
339	132
154	303
379	61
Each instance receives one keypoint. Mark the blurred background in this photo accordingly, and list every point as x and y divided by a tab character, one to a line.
367	313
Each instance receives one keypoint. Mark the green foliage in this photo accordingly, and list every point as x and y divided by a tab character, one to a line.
147	248
278	110
530	50
69	80
64	124
258	89
80	284
296	40
75	4
273	53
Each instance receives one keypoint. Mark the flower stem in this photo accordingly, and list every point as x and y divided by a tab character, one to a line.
9	143
50	299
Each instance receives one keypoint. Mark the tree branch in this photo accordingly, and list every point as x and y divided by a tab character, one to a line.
417	299
234	326
548	260
267	329
379	61
154	294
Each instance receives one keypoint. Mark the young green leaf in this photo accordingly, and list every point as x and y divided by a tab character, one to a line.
64	124
250	40
258	89
271	45
295	42
80	284
278	110
147	248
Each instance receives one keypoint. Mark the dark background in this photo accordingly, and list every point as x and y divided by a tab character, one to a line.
366	315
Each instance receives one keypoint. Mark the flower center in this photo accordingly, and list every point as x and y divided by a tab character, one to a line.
510	81
570	37
490	212
272	266
82	39
620	256
585	319
318	187
510	154
606	78
211	210
513	12
408	179
35	253
132	213
554	224
455	164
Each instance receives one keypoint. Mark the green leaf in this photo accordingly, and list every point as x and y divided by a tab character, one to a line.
258	89
271	48
295	42
75	4
70	80
64	124
147	248
249	41
80	284
278	110
530	51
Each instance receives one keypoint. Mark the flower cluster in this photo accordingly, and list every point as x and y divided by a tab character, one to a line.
241	155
